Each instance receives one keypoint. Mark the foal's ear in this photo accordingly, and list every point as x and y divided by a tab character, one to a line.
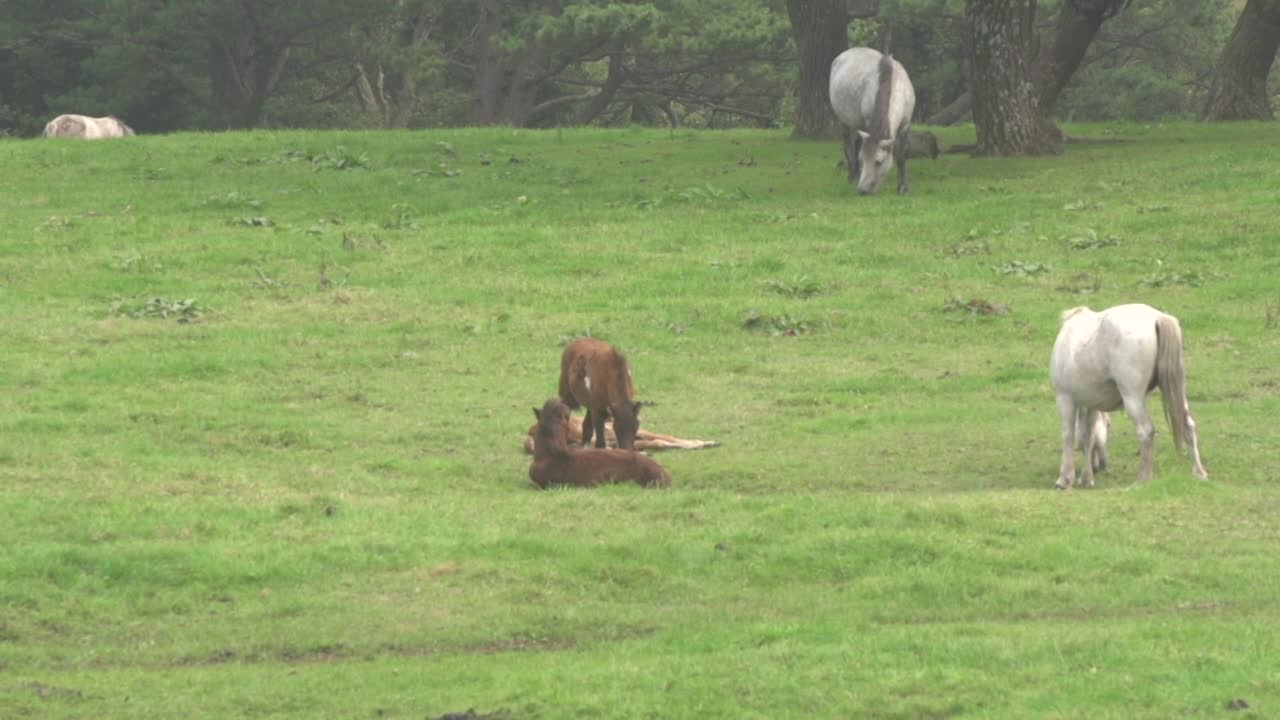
635	406
537	413
864	135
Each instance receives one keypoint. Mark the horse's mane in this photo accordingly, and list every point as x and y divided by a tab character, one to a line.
880	129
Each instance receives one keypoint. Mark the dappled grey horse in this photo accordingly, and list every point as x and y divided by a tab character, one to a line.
89	128
1106	360
872	97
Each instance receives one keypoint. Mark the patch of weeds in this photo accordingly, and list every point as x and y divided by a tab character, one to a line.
1019	268
802	287
55	223
1143	209
1272	317
251	221
747	161
641	202
497	323
1171	279
1080	205
136	263
777	325
970	247
324	282
447	149
1082	284
976	306
351	243
402	218
1090	241
184	311
339	158
232	199
566	338
267	283
710	193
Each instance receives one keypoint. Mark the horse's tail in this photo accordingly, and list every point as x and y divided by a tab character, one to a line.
1072	312
1171	378
566	380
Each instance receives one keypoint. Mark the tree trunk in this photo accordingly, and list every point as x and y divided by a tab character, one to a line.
821	33
1239	89
486	87
1004	98
244	73
617	75
1077	25
404	84
953	113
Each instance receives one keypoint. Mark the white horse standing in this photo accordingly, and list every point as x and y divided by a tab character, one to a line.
872	96
89	128
1105	360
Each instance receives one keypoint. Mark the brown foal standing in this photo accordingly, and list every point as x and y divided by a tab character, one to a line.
555	463
596	376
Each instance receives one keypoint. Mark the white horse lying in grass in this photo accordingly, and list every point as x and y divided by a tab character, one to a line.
89	128
1105	360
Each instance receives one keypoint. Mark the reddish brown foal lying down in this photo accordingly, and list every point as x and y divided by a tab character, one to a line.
555	463
594	375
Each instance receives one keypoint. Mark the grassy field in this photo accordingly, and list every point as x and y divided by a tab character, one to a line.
262	398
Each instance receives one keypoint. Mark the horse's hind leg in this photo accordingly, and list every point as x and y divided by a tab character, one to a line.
1136	409
1088	443
598	418
587	427
1067	471
1193	443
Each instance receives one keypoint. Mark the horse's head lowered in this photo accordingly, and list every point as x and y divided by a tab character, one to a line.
626	422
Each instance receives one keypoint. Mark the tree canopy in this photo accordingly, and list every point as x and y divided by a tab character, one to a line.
212	64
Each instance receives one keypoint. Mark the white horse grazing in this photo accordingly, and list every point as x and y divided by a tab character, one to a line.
872	96
1105	360
89	128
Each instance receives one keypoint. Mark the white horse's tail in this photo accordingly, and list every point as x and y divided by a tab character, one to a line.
1171	378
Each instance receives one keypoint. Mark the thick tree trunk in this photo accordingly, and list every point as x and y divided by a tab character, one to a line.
1239	89
486	87
821	33
958	110
404	84
244	73
522	93
1077	25
1004	98
617	75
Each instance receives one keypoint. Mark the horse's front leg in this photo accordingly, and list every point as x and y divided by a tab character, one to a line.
852	143
1088	442
1067	470
900	150
586	429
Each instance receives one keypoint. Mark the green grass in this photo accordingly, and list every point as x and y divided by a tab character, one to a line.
262	397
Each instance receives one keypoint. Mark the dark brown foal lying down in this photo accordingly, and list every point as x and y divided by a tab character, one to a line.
555	463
